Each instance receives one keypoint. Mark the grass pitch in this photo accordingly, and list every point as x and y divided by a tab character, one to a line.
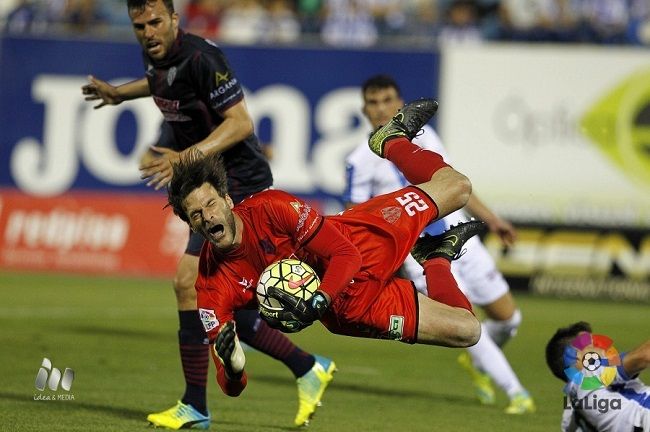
119	337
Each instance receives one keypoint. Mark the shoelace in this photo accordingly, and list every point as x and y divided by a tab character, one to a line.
460	254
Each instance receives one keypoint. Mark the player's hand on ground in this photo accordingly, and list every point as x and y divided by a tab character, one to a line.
159	170
304	312
504	229
229	350
97	89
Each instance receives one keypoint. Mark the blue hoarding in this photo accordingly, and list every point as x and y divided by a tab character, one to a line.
305	103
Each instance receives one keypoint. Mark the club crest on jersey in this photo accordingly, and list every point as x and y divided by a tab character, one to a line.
171	75
209	319
391	214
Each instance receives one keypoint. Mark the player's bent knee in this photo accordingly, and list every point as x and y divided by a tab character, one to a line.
184	289
468	330
184	280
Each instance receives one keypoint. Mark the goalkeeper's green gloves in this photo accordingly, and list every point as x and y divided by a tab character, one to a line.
296	313
229	351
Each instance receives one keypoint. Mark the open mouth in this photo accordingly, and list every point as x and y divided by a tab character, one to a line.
217	231
153	46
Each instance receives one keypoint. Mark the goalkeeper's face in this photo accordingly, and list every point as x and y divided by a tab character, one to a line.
155	27
211	215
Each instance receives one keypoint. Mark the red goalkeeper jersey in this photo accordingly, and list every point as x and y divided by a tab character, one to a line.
365	244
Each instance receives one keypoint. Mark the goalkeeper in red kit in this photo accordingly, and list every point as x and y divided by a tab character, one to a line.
356	253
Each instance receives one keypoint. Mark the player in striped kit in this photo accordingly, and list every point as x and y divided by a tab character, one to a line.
621	406
202	102
476	272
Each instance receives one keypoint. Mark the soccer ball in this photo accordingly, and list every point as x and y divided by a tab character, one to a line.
591	361
290	275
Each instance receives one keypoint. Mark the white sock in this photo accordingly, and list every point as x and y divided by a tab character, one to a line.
502	331
489	358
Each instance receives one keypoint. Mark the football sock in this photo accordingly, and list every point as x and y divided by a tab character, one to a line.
502	331
441	285
195	357
256	333
489	358
417	164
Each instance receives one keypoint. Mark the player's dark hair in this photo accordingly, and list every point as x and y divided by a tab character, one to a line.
381	81
139	5
556	346
191	172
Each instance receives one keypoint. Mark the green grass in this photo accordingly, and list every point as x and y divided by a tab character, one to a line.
119	336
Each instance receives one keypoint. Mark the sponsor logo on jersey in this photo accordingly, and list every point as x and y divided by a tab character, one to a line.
223	88
221	77
209	319
303	217
170	109
171	75
391	214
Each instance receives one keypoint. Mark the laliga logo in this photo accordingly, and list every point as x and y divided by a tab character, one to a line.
619	125
590	361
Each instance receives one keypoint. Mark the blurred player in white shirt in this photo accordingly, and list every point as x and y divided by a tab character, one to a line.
476	273
621	406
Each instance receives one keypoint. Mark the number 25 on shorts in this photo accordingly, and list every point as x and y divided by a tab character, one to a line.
412	203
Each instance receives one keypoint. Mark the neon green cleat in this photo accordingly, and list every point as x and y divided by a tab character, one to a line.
180	416
406	123
311	387
521	403
481	380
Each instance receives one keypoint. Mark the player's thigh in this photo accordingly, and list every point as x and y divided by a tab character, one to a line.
184	280
440	324
449	189
187	269
502	308
376	309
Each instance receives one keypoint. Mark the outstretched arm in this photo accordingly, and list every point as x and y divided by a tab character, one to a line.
637	360
97	89
237	126
504	229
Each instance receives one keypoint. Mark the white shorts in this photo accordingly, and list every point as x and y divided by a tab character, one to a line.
475	272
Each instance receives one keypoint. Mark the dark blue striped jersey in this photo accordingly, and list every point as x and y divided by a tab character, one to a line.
192	87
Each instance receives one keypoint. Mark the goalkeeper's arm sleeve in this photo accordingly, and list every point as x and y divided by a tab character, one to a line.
344	258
